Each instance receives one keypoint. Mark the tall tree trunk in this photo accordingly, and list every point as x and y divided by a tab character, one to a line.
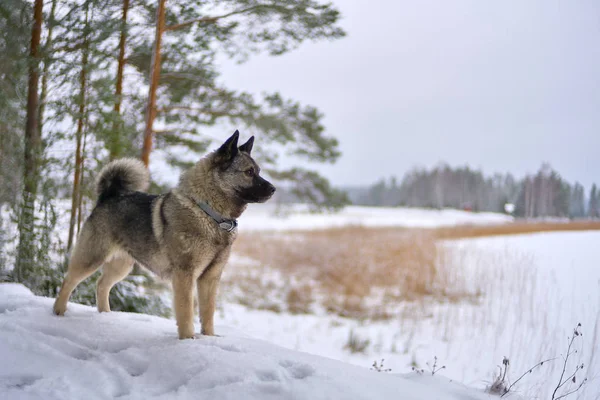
154	78
78	136
115	145
32	154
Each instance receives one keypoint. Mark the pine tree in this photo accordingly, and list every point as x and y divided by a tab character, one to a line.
594	203
15	36
577	201
89	69
180	61
115	139
32	154
544	194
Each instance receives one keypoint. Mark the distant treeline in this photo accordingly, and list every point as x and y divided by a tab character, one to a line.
545	194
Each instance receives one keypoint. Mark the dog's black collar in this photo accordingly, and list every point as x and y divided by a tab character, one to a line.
224	223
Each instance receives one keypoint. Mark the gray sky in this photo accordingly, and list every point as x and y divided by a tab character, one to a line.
501	86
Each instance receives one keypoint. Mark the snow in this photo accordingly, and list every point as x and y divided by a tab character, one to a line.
561	289
270	217
133	356
535	289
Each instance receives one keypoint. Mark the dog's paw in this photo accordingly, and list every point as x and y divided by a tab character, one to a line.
207	331
186	333
59	309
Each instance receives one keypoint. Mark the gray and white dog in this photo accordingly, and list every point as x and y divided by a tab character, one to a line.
185	234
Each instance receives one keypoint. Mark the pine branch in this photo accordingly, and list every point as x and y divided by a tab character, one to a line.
166	131
215	113
212	20
184	108
69	48
181	75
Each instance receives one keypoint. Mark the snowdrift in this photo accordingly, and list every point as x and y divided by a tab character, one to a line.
86	355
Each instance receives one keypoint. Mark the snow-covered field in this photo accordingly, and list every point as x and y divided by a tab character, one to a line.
269	217
86	355
536	289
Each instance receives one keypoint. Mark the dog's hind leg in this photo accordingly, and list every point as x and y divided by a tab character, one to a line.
87	257
113	271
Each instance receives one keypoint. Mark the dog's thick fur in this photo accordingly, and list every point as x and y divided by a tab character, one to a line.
169	234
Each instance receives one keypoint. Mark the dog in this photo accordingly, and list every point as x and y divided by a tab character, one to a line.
184	235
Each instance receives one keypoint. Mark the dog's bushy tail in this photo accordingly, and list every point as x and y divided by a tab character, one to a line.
123	175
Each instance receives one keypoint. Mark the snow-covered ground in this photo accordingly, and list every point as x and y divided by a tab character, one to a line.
86	355
270	217
536	288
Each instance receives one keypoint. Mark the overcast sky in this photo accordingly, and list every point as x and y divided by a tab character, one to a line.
501	86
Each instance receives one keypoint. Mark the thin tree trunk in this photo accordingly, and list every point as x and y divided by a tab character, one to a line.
32	153
44	91
154	78
78	136
115	146
83	158
80	197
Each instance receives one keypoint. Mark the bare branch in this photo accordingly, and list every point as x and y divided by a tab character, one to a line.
577	368
576	333
434	368
572	391
530	370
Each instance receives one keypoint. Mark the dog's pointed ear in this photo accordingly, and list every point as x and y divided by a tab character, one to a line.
229	149
247	147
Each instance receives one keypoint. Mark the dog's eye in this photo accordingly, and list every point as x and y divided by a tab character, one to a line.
250	172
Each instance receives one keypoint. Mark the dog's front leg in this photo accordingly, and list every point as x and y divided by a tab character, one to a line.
207	298
208	283
183	291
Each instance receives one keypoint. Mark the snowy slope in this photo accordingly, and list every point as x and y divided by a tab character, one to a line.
87	355
259	217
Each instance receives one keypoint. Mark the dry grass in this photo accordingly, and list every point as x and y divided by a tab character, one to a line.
519	227
356	344
353	259
355	266
299	299
515	228
362	273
